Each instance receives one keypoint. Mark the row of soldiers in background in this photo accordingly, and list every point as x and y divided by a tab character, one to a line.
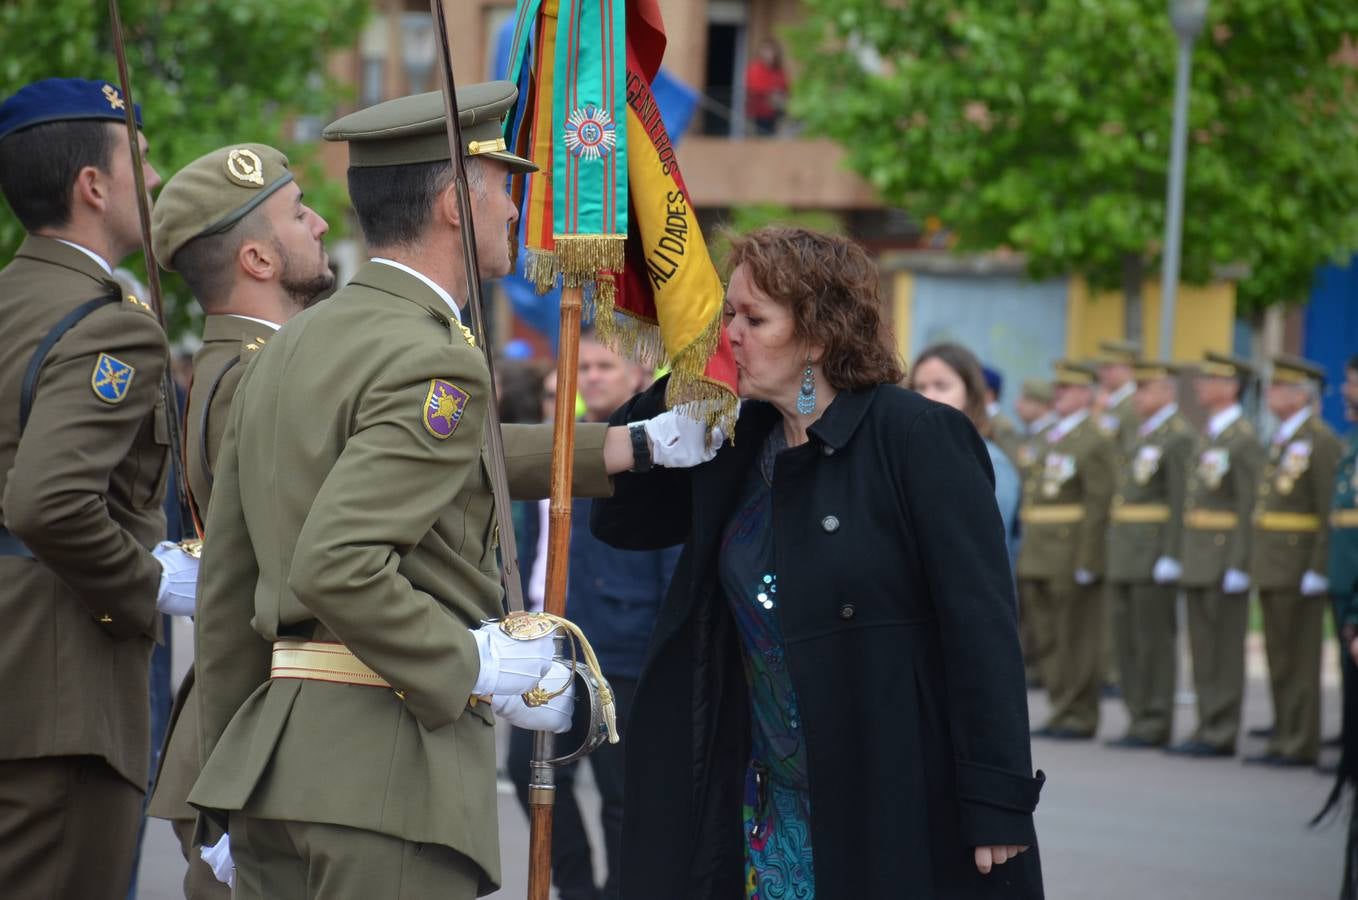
1126	504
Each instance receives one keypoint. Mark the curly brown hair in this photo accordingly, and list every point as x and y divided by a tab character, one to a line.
833	289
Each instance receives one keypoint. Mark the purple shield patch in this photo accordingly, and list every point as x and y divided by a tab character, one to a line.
443	407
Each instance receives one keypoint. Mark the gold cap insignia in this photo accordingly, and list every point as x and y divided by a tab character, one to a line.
245	168
111	95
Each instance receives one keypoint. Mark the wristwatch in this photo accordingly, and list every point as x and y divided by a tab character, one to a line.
641	447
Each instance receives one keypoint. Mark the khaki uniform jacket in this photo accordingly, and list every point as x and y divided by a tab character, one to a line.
82	489
1217	514
350	503
1006	436
1065	505
1146	521
229	343
1291	512
1120	423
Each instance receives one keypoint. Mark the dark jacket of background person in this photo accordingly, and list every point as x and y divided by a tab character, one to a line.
614	597
898	614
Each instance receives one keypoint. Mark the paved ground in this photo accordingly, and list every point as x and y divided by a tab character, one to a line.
1114	825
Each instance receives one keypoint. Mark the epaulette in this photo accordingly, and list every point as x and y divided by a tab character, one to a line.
136	303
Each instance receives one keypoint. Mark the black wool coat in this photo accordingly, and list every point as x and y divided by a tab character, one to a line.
898	611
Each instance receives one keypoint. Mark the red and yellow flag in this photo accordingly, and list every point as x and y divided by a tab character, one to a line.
664	306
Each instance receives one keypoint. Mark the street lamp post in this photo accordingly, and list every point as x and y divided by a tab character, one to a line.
1188	17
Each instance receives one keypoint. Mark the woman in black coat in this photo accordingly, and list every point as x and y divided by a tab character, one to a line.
833	704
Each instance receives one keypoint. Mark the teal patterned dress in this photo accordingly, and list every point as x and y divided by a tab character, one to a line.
777	806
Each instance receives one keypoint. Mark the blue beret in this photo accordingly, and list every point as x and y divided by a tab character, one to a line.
62	100
993	379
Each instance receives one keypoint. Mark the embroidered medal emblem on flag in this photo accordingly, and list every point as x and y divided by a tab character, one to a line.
111	378
443	407
590	133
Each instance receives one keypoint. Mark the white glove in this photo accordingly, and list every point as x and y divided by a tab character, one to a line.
1167	570
178	579
218	858
508	666
554	715
1313	583
1084	577
678	442
1235	582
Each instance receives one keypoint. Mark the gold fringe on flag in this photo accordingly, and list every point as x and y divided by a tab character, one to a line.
540	268
581	257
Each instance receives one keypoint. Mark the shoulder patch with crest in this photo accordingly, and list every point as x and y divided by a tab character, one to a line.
111	378
443	407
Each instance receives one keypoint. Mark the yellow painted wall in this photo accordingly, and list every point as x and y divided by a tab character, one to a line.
902	299
1203	319
1091	318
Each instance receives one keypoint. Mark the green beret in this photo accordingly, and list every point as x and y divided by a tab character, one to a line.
414	129
212	193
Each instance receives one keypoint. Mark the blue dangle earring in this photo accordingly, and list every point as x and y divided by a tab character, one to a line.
806	397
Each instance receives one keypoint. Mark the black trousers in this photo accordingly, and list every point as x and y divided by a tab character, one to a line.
572	864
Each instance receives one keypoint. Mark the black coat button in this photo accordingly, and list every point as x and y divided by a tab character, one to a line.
827	450
846	611
830	524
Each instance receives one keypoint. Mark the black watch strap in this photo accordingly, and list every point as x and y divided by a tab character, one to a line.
641	447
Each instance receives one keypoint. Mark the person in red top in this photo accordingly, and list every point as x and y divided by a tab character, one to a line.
766	88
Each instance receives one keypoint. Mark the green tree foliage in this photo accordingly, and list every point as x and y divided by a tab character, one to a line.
206	73
1043	126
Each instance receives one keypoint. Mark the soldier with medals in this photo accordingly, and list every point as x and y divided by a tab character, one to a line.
1035	413
1065	516
1117	383
347	680
1144	555
1222	481
84	452
233	224
1290	557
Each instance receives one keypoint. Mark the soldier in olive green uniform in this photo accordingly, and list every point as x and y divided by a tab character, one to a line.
84	452
1143	555
1034	410
352	549
1117	382
1065	517
233	224
1290	557
1218	527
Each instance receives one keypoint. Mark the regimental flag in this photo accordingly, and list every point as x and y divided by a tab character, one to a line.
608	209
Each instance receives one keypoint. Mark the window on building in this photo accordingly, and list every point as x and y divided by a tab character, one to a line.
372	55
723	102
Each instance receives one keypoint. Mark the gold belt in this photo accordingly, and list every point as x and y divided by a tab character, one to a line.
322	661
1140	513
1344	518
1052	514
1285	521
1211	519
